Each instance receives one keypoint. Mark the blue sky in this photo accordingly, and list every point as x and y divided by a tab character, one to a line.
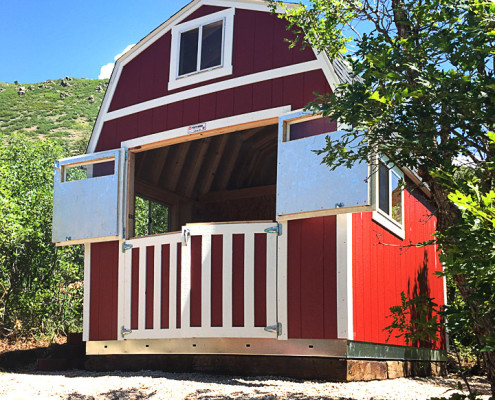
51	39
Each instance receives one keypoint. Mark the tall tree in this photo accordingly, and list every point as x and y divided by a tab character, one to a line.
423	95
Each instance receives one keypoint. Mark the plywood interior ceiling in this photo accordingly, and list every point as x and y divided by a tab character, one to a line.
206	173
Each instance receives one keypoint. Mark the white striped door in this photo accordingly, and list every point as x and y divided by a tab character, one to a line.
211	280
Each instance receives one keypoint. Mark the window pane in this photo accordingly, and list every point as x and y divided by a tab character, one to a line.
146	223
188	57
383	188
211	45
159	218
396	199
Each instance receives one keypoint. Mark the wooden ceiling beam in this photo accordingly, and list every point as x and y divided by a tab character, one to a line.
195	167
159	163
159	194
228	167
211	166
173	175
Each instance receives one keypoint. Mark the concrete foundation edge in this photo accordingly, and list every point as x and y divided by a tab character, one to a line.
319	368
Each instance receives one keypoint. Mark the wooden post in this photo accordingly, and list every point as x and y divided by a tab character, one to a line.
131	195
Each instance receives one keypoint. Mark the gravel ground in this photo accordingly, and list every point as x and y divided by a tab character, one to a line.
83	385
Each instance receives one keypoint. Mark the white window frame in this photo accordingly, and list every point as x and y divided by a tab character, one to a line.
225	68
380	216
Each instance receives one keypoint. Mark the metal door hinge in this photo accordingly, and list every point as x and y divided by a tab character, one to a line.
124	331
274	328
126	246
275	229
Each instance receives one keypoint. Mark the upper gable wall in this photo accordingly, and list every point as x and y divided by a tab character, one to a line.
259	45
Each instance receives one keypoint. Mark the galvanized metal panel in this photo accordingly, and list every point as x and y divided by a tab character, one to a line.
216	345
305	185
87	208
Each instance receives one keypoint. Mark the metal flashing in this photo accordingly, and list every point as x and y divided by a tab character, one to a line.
377	351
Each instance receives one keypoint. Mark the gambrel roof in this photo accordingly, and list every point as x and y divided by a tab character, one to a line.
334	72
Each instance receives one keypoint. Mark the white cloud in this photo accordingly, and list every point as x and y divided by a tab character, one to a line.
106	70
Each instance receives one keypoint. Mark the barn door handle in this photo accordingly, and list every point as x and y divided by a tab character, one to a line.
186	235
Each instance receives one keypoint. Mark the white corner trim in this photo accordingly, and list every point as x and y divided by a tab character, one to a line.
215	87
122	289
227	16
87	285
328	70
107	100
282	294
345	325
210	125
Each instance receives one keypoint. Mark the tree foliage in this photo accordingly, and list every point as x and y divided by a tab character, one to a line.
423	95
40	285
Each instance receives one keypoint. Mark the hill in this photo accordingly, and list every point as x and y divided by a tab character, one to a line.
63	109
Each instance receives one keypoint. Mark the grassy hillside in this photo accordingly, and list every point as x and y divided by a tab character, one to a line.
63	109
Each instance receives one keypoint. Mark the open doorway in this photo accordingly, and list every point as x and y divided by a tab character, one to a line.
224	178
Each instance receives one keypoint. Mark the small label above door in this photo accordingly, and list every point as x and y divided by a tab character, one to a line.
196	128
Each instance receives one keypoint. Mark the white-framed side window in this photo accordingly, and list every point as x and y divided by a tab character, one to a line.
202	49
389	198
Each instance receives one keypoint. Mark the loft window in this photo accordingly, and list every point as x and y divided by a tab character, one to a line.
201	49
390	202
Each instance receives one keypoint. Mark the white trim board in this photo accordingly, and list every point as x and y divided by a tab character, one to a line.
215	87
345	326
87	286
210	125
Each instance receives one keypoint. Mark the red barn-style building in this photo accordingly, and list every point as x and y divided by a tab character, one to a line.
267	254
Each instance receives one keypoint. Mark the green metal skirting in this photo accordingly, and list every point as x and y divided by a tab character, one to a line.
392	352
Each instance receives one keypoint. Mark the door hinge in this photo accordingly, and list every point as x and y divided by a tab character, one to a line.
275	229
186	235
274	328
126	246
124	331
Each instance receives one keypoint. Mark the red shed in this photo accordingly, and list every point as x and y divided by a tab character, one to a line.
262	251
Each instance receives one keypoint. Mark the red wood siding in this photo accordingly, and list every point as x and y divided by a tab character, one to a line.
201	12
165	303
312	288
216	280
150	276
259	45
260	280
104	291
238	280
296	90
196	242
134	288
382	271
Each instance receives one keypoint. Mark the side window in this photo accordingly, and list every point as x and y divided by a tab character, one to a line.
390	198
151	217
201	49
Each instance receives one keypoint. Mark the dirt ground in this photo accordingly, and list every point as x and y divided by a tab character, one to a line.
83	385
